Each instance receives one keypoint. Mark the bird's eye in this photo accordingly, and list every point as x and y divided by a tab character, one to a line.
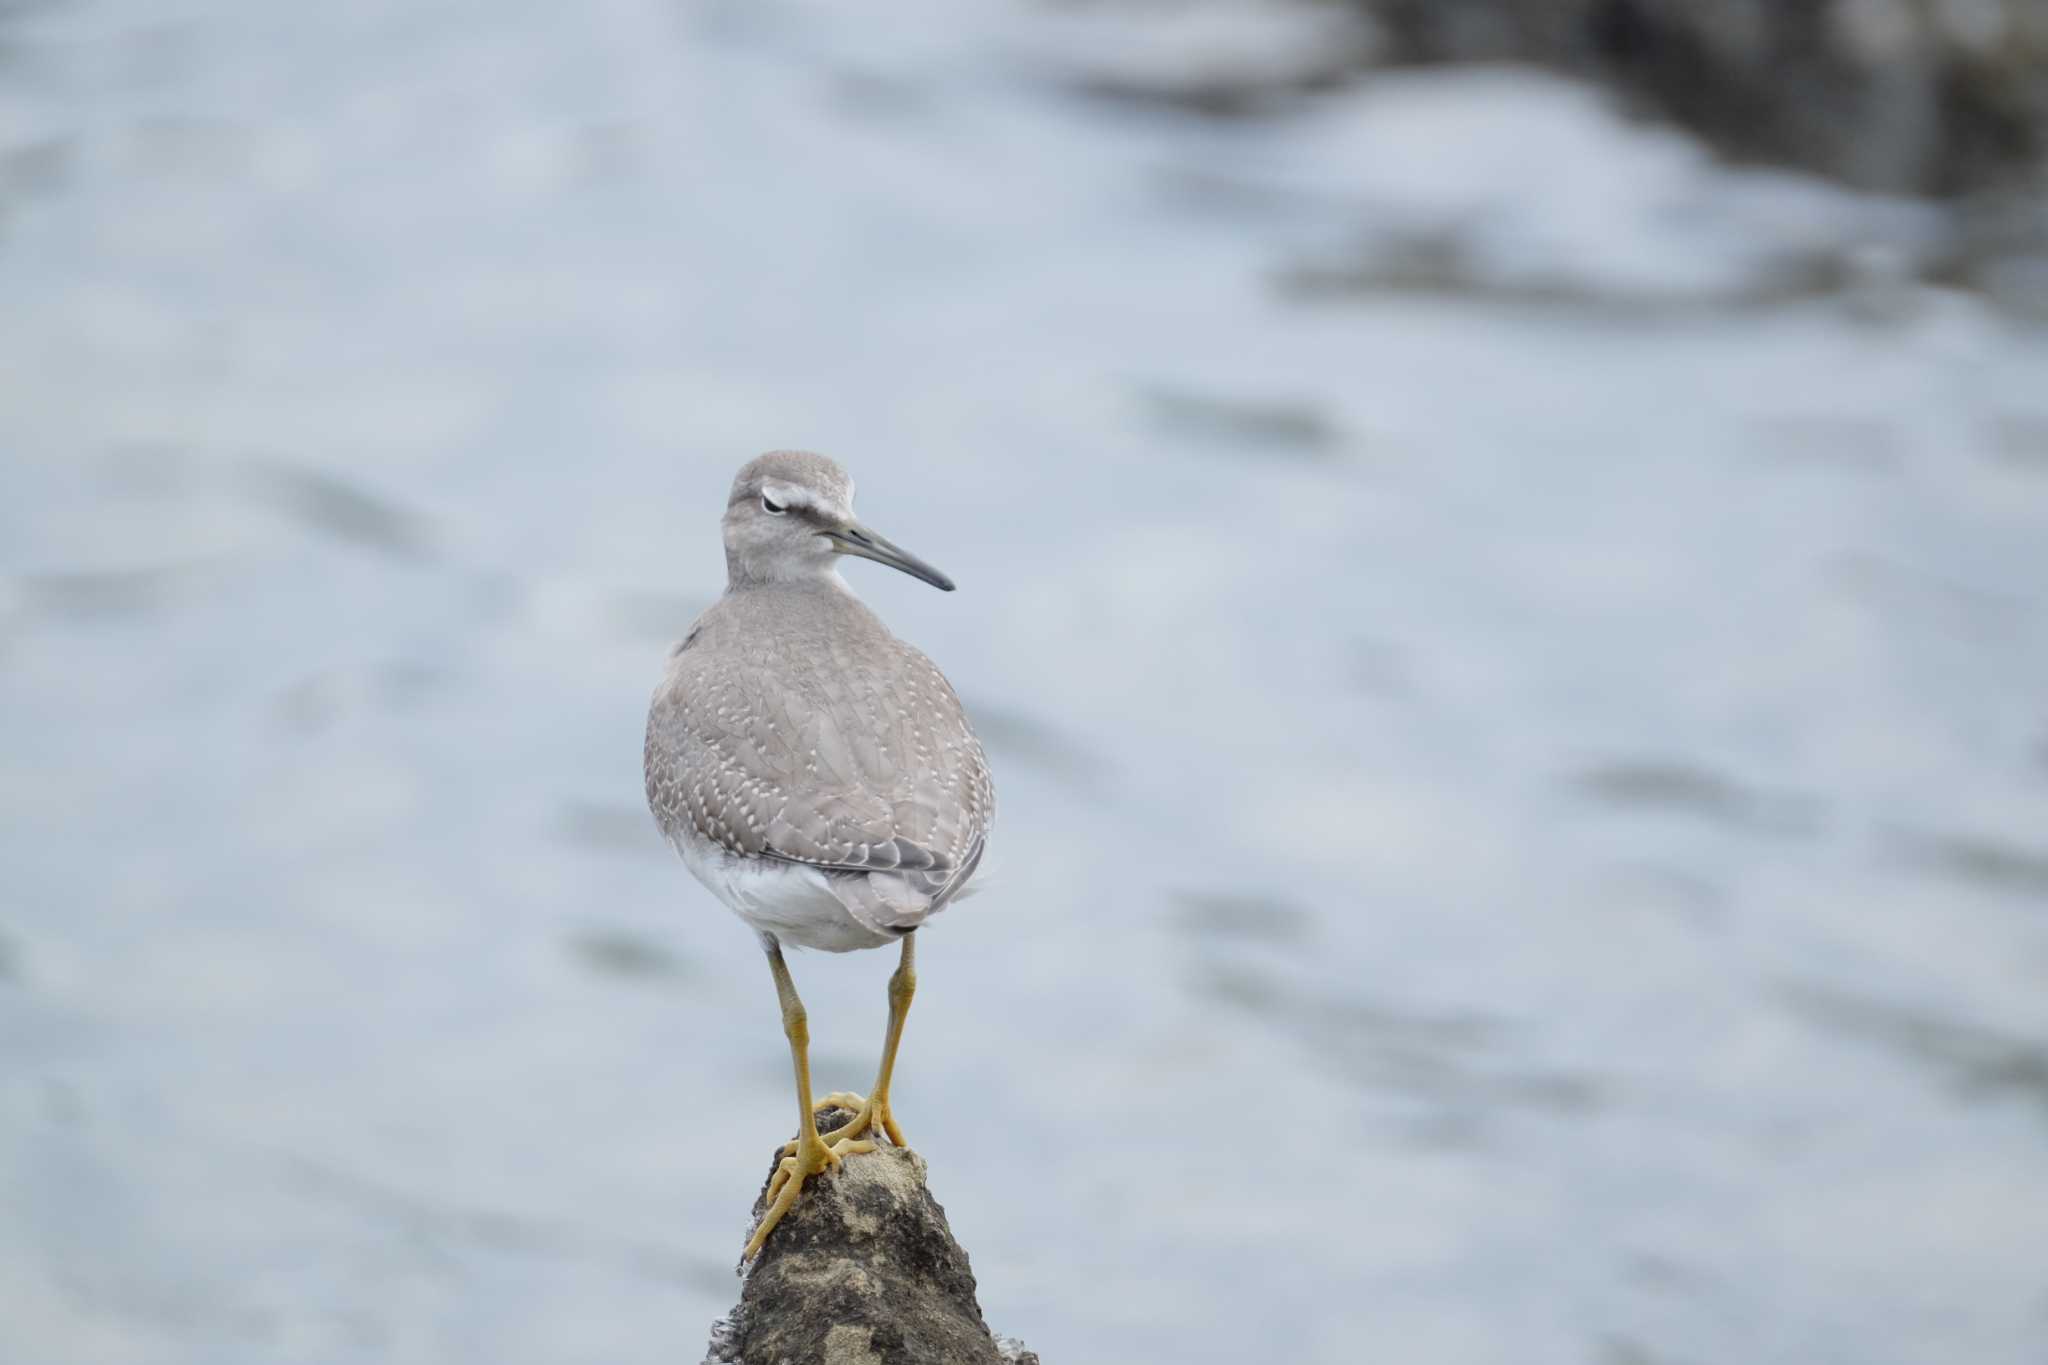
769	504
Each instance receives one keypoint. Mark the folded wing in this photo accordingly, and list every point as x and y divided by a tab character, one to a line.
869	773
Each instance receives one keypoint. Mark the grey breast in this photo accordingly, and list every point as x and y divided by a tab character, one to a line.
791	724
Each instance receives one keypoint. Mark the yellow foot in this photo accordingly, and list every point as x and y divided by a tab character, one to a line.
868	1117
809	1158
838	1099
863	1120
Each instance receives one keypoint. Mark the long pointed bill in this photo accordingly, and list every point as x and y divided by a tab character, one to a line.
859	540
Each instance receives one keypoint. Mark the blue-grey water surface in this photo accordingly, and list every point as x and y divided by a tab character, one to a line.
1516	660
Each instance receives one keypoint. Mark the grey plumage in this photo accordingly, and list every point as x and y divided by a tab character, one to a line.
792	730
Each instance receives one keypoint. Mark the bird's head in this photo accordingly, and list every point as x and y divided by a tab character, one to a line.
791	516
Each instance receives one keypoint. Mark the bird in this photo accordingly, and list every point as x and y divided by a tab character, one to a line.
818	775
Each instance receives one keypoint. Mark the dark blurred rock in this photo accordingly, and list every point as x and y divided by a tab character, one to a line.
1915	100
1902	96
862	1271
2000	248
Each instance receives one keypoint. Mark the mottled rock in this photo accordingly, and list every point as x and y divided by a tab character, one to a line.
863	1270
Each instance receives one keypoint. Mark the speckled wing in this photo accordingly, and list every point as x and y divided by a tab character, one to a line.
854	757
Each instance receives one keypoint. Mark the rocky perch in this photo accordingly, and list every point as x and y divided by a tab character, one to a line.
863	1270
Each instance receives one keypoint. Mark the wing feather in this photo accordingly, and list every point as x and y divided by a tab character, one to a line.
855	758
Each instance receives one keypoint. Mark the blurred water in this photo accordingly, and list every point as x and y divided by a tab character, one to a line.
1516	660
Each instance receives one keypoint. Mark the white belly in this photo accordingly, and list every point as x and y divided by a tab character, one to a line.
789	900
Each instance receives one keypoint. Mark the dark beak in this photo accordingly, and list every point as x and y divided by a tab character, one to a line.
856	539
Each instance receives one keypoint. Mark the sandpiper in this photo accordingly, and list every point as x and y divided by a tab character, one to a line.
816	773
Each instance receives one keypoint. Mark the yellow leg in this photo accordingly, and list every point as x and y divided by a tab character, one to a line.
809	1154
874	1112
